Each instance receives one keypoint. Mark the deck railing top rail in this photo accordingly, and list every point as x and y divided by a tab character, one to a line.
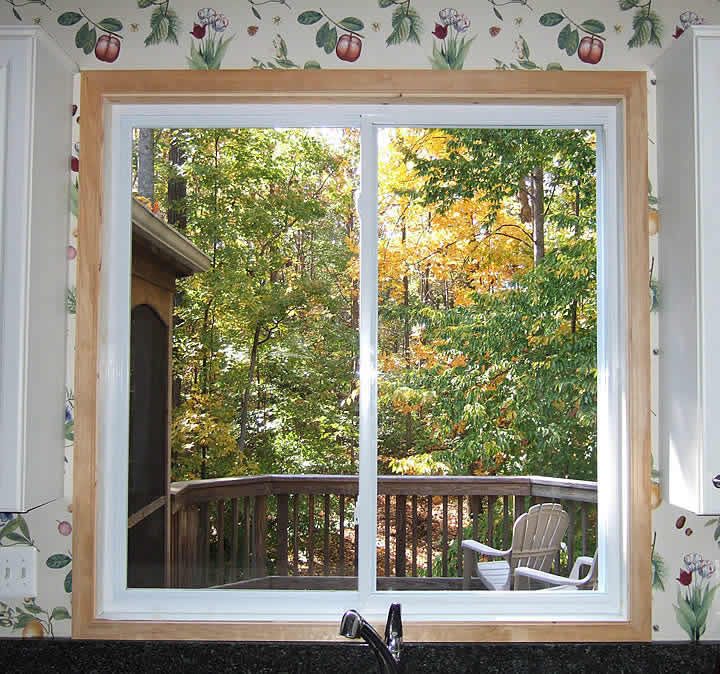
201	491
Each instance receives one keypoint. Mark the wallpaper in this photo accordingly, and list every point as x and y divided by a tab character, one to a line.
297	34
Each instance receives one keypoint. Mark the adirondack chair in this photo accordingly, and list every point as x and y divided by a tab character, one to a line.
535	543
532	579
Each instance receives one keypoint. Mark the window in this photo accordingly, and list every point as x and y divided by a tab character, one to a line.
623	380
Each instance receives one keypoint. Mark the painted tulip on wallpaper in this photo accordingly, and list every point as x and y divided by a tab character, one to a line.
695	595
211	50
453	48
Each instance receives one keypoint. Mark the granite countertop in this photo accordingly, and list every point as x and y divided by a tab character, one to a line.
90	657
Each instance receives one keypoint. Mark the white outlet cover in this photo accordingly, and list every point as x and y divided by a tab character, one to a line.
18	571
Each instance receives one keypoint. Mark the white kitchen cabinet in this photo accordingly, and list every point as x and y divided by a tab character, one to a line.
35	149
688	101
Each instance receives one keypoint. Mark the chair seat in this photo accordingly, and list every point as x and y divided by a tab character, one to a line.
494	575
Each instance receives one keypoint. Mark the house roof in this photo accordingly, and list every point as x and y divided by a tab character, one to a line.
184	257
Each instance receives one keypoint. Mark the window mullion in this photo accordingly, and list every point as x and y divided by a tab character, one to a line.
367	504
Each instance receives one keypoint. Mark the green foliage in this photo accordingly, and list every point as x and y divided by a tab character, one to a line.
647	24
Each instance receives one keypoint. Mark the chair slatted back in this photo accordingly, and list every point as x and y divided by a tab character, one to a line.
537	536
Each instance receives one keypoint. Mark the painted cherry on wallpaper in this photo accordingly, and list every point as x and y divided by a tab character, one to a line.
107	46
348	46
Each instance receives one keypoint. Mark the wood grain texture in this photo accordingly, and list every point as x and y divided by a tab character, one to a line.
396	86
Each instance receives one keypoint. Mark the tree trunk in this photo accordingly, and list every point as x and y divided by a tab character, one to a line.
538	177
246	394
146	164
177	189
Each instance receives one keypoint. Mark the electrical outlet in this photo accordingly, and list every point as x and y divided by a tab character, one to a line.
18	571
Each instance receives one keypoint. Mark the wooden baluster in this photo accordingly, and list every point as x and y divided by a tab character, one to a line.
282	529
247	571
174	550
342	535
204	543
400	535
260	525
296	498
491	520
460	536
413	535
444	551
356	552
428	535
387	534
311	534
326	535
234	541
506	522
519	507
571	534
584	524
220	528
476	502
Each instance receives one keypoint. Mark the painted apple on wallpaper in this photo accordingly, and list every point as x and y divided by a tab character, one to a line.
106	45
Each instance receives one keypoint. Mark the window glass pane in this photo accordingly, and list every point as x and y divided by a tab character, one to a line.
244	356
487	342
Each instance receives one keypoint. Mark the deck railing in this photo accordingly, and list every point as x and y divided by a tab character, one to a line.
299	530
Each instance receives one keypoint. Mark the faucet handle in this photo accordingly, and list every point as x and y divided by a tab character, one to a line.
394	631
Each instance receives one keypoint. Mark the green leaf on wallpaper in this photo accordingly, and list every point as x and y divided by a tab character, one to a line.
69	18
58	561
525	48
553	66
568	39
641	31
74	199
309	18
60	613
68	582
22	525
551	19
593	26
311	65
81	37
90	42
111	25
144	4
159	27
407	26
385	3
657	28
528	65
326	37
23	620
16	14
33	608
282	48
256	14
497	13
17	538
628	4
9	528
353	24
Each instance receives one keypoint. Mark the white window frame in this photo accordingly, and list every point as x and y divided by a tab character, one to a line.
116	602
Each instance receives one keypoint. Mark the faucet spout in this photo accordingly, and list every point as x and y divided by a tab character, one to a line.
394	631
354	626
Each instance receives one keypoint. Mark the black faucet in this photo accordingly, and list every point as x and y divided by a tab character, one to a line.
354	626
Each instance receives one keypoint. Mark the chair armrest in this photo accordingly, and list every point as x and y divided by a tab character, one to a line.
548	578
579	563
486	550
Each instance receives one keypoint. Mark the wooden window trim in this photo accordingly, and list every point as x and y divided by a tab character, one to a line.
376	87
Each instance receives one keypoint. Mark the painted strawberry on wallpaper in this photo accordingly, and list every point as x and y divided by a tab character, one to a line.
695	596
647	24
24	3
450	32
210	50
348	46
282	61
164	22
406	22
106	46
590	48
